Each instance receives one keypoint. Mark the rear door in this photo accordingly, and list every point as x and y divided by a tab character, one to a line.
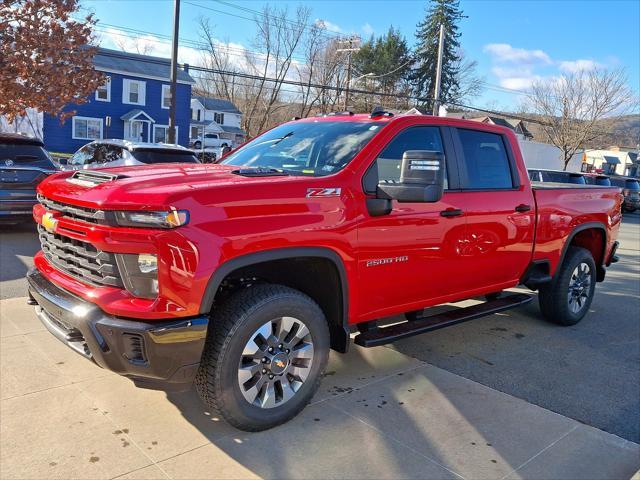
499	209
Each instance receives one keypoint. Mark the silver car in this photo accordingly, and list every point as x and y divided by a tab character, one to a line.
118	153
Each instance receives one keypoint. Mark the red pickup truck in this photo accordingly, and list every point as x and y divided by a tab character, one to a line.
241	276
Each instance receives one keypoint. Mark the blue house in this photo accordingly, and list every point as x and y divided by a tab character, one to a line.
132	104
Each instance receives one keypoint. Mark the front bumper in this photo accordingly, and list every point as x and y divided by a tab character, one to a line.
160	354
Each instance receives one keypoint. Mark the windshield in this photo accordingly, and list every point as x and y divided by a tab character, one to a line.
306	148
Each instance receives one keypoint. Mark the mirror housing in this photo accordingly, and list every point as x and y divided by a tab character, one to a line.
421	178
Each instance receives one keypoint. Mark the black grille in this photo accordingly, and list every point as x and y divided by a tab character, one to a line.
72	211
80	259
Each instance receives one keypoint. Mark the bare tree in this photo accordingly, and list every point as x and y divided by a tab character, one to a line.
571	108
469	83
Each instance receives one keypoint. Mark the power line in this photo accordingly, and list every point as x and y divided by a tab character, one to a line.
263	79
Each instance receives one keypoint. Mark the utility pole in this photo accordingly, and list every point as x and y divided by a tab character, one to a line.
350	41
174	72
436	100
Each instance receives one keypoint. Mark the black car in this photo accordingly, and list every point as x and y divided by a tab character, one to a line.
631	191
24	163
556	176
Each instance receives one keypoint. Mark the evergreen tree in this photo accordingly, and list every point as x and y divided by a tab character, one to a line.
387	57
439	12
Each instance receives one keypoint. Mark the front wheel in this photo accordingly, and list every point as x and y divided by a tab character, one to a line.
197	145
567	298
265	354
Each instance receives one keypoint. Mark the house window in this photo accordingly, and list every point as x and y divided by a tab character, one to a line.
166	96
195	132
86	128
195	114
103	92
133	92
161	134
218	118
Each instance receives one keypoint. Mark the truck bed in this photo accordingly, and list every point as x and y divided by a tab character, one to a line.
564	186
562	207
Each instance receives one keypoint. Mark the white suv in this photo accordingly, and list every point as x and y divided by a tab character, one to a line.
211	140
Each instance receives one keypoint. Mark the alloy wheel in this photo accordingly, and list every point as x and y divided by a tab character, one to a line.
275	362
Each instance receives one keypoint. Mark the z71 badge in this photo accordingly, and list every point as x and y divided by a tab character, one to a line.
324	192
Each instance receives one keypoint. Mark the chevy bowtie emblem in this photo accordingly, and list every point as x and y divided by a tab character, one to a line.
8	162
279	363
49	222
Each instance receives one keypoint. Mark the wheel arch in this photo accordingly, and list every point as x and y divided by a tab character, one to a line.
593	237
297	260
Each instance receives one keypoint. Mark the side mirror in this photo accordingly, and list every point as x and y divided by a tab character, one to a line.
62	161
421	178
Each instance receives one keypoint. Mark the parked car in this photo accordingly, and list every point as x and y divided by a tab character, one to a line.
118	153
241	276
24	163
631	191
556	176
211	140
597	179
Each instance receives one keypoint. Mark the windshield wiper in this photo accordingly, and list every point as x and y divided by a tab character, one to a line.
260	172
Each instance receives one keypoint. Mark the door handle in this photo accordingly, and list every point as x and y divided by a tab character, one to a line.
523	208
451	212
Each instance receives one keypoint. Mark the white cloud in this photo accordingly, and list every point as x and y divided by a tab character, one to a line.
574	66
505	53
330	26
367	29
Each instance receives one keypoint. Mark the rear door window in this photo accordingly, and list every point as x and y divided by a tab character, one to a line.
164	156
484	163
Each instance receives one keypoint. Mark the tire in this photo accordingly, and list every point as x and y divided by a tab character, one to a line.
227	378
567	298
197	145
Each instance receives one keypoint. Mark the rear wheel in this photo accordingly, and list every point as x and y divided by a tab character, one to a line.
265	354
566	299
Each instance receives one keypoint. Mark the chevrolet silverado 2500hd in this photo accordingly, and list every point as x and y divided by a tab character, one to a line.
241	276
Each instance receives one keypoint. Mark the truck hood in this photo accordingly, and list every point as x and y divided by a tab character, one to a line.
148	187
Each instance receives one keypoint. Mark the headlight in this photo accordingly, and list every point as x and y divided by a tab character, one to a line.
139	273
169	219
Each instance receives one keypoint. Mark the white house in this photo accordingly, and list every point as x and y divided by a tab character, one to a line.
215	115
614	160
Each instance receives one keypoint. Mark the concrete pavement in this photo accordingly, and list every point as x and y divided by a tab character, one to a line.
379	414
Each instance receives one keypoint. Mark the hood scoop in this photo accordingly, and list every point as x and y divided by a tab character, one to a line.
91	178
260	172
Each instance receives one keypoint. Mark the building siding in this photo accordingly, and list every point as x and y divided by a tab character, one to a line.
58	136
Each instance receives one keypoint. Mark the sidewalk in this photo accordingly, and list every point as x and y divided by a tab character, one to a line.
379	414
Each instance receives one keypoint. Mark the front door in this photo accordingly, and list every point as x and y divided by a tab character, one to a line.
411	257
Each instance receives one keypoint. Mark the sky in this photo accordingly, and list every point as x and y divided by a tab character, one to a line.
514	42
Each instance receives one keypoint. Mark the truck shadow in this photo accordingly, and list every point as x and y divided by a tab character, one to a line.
399	425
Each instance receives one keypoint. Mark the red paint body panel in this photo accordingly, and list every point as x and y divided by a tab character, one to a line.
437	259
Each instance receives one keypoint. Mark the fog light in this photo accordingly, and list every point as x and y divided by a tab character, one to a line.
147	263
139	274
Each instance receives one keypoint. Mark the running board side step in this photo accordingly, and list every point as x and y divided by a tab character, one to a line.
383	335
